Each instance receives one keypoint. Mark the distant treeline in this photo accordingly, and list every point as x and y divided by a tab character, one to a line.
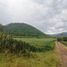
62	39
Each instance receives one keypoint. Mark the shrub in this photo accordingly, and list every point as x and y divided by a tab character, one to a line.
9	45
62	39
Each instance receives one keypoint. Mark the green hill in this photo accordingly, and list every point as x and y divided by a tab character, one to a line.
1	28
22	29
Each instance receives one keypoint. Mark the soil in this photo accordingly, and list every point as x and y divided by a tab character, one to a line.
62	51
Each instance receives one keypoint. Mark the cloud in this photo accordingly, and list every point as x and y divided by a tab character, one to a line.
49	16
57	17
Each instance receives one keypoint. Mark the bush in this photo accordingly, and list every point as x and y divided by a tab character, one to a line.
62	39
65	38
9	45
19	48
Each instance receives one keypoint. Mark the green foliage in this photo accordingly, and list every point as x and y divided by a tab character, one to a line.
65	38
62	39
1	28
12	48
10	45
59	39
41	44
50	45
22	29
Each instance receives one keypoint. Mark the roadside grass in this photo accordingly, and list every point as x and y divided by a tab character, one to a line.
47	59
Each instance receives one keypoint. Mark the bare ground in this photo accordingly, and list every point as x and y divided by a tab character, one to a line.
62	51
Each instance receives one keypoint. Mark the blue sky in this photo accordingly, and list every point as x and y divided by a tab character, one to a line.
50	16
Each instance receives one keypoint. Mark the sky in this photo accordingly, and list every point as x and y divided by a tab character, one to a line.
50	16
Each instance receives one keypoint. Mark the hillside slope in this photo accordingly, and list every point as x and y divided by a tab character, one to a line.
1	28
22	29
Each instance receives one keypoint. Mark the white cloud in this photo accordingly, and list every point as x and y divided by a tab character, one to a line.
50	16
55	25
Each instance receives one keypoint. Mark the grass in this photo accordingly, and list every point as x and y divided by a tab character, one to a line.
39	59
48	59
64	42
38	42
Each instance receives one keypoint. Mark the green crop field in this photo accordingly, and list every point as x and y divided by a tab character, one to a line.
36	41
47	58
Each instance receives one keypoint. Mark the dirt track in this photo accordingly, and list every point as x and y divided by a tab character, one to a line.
62	50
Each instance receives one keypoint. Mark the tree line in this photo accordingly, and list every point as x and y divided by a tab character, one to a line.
62	38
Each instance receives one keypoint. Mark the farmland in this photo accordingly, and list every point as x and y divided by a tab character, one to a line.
46	58
36	41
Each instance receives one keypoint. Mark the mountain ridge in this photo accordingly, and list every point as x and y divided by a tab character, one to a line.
22	29
63	34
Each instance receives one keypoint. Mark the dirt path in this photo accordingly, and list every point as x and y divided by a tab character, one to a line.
62	50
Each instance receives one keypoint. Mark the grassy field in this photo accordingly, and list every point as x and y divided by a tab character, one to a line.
38	42
47	58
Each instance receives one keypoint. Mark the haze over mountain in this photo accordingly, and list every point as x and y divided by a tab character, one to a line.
50	16
63	34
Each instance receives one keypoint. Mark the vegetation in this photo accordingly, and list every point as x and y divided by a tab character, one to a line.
1	28
16	51
47	59
27	52
35	52
22	29
9	45
63	40
41	44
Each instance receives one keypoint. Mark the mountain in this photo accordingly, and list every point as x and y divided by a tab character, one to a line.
1	28
22	29
60	34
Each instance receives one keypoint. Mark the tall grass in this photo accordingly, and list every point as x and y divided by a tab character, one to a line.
27	52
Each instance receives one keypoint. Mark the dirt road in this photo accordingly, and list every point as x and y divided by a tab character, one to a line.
62	51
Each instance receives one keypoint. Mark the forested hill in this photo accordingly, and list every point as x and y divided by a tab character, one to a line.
22	29
1	28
